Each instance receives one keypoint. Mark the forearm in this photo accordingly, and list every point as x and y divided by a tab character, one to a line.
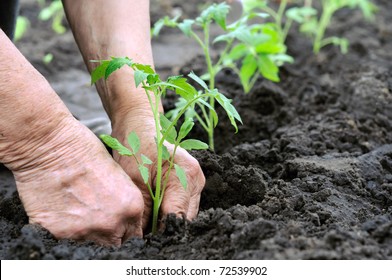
113	28
27	103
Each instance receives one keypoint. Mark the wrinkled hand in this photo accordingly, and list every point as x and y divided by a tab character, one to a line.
177	200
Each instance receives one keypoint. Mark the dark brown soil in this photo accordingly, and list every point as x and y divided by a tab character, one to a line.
308	176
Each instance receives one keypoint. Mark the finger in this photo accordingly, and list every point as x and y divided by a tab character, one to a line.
176	199
193	207
197	183
147	207
133	230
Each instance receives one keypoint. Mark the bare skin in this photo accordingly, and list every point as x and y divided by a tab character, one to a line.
67	181
123	29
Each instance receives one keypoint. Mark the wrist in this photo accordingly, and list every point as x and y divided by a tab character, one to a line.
122	99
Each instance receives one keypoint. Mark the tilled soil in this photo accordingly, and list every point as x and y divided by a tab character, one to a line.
308	176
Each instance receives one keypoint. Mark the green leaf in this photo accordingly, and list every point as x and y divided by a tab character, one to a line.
220	14
179	105
217	12
144	172
300	14
183	88
193	144
99	71
171	134
341	42
153	79
267	68
139	77
273	43
22	25
146	160
186	127
368	9
181	176
223	38
198	80
281	58
248	69
238	52
116	63
134	142
310	26
157	27
115	145
165	153
186	26
230	110
250	5
144	67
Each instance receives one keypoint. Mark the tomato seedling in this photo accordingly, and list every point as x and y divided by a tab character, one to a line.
250	51
316	27
166	130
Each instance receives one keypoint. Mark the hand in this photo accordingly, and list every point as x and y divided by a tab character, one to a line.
177	200
73	188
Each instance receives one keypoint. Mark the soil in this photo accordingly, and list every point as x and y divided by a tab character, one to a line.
308	176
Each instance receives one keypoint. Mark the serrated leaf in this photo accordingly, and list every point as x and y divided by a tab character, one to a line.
115	145
220	14
165	153
193	144
267	68
116	63
238	52
281	58
144	172
134	142
248	69
230	110
144	67
185	128
146	160
166	21
139	77
223	38
157	27
300	14
217	12
198	80
99	72
181	176
186	26
183	88
310	26
152	79
171	134
249	5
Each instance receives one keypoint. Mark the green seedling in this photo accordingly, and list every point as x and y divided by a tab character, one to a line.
55	12
282	17
250	50
167	131
22	25
48	58
316	27
307	17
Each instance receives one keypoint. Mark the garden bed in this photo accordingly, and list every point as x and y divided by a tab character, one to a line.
308	176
